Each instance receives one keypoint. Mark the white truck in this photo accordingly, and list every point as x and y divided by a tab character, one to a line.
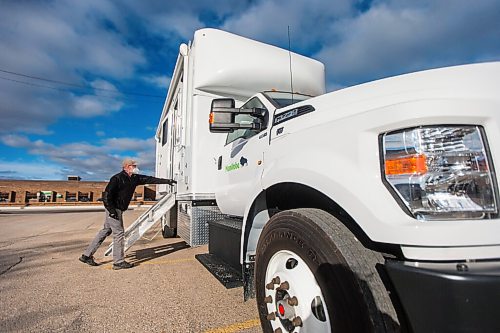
374	208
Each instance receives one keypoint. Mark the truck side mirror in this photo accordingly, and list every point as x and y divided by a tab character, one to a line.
223	113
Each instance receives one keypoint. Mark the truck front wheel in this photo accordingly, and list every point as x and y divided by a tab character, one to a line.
313	275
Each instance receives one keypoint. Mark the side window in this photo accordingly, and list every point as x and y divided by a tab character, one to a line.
164	132
245	119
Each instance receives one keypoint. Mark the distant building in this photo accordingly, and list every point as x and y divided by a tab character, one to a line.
60	191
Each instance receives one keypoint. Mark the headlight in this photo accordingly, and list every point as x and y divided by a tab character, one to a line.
440	172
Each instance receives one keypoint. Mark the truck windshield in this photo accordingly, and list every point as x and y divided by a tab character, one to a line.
281	99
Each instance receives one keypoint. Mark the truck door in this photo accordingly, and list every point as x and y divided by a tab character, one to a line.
164	167
241	163
167	144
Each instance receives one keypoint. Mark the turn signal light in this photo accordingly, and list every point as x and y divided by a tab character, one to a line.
211	118
409	165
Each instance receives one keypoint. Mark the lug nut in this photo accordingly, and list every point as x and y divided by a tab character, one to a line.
270	285
271	316
268	299
297	321
293	301
284	286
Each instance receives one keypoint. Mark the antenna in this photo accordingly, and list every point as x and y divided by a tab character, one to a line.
290	58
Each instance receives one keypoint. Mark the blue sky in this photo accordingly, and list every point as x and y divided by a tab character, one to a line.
82	83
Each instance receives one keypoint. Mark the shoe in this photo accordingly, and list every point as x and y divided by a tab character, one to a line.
88	260
123	265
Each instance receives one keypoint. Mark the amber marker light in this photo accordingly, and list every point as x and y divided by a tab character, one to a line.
414	165
211	118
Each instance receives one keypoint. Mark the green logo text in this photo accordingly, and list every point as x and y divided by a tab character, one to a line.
232	167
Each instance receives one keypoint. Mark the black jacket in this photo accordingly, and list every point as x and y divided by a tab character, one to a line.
121	188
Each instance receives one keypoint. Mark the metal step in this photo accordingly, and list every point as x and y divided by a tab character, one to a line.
146	221
226	274
224	251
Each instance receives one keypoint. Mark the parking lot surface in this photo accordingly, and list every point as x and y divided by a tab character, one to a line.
44	288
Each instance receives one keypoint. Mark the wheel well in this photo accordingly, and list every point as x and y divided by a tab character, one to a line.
285	196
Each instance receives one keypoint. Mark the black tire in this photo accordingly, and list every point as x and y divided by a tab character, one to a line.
168	232
355	296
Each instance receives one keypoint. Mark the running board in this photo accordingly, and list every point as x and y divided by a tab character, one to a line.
146	221
222	271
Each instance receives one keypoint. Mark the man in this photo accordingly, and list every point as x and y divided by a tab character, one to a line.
116	198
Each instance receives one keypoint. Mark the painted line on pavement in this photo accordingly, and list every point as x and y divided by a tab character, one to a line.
236	327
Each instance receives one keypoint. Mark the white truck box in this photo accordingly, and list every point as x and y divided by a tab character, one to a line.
216	64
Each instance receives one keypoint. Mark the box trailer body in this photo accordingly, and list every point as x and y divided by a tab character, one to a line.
216	64
372	208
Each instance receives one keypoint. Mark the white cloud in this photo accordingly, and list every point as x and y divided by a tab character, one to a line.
28	171
179	19
363	40
182	23
91	162
109	55
90	106
307	20
62	41
25	109
16	141
100	84
58	40
395	37
124	144
160	81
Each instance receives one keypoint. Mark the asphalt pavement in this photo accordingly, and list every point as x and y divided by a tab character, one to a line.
44	288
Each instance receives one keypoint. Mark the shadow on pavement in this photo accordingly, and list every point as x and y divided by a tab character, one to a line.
36	257
143	255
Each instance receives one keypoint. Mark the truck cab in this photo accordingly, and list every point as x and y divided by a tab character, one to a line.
241	160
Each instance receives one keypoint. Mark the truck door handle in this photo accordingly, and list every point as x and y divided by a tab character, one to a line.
219	163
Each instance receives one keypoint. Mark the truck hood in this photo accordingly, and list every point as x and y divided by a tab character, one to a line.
474	81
